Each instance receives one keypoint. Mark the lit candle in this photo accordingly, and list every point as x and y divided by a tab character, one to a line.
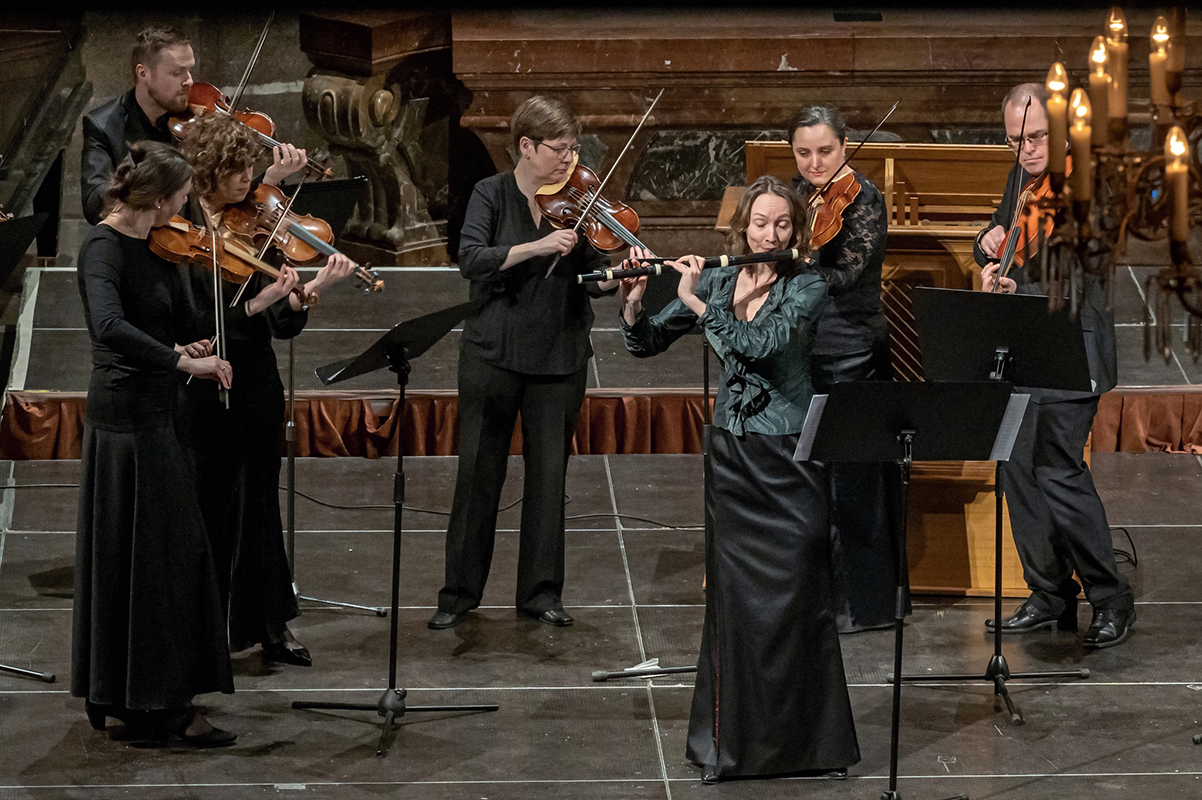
1157	58
1175	50
1057	118
1116	47
1099	89
1080	180
1176	173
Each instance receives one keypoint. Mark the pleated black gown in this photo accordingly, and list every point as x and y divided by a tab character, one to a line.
771	697
148	629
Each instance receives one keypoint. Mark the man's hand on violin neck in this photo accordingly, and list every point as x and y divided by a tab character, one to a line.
992	241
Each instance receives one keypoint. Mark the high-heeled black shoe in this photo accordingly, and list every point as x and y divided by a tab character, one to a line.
98	714
177	726
282	653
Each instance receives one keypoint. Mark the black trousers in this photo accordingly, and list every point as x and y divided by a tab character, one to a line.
489	401
1057	517
863	502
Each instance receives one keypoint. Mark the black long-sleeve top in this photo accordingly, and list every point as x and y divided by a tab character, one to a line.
852	320
131	300
530	324
108	131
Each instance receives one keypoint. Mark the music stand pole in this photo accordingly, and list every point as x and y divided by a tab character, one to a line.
392	349
290	483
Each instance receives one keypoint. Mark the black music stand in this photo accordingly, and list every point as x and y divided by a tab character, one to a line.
15	237
966	335
394	350
887	421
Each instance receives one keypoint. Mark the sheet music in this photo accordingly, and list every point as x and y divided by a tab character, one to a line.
809	431
1007	431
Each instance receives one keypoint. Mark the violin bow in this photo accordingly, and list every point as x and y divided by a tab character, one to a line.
822	192
223	394
250	65
1004	268
597	194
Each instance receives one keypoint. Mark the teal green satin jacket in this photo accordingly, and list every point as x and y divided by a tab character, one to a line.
765	385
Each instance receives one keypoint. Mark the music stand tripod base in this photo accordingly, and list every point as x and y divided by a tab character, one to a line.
407	340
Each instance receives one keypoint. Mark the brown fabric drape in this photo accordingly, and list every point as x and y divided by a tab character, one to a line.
45	425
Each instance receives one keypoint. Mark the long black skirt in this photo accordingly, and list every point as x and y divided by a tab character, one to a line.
771	697
149	632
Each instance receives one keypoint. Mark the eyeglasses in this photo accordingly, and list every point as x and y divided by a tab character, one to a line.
568	150
1035	138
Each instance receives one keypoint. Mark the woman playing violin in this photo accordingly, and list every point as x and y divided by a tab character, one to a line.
851	344
236	451
770	697
149	631
525	350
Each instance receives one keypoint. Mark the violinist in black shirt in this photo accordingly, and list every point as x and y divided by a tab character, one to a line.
1059	523
851	344
525	350
162	62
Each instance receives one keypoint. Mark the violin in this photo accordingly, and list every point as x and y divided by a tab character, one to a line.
179	241
302	238
204	98
1028	223
827	205
574	202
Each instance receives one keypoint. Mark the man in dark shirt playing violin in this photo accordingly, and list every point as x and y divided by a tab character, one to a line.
162	69
1057	517
162	62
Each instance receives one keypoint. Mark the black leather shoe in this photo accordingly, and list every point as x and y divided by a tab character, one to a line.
1029	618
709	777
281	653
97	716
1110	626
556	616
444	619
177	727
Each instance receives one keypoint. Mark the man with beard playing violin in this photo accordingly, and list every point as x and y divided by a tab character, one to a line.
1057	517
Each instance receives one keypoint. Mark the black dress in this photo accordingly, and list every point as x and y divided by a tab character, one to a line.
852	344
771	696
148	629
235	454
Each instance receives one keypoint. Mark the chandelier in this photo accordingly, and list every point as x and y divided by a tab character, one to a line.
1114	190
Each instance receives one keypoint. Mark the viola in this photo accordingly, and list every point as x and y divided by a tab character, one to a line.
204	98
179	241
609	226
303	239
826	207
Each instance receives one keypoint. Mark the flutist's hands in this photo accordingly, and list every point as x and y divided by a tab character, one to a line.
689	268
631	290
989	274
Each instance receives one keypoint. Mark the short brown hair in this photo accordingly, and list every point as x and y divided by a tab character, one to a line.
541	119
150	173
217	145
149	43
736	238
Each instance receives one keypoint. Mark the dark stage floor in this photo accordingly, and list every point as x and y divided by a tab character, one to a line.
634	586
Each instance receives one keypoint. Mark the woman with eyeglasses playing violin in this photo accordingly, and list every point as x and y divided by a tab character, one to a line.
149	632
852	344
236	452
525	350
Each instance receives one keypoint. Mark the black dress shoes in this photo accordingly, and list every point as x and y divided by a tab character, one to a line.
281	653
556	616
97	716
444	619
1110	626
1029	618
